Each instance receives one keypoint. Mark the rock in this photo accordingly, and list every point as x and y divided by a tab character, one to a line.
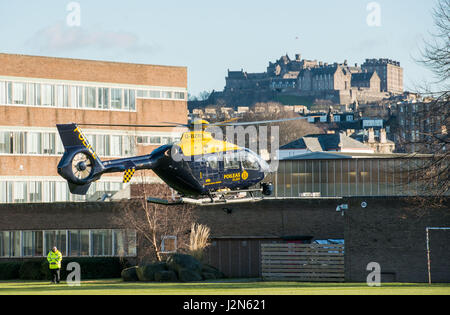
208	276
147	272
178	262
166	276
188	275
212	270
130	274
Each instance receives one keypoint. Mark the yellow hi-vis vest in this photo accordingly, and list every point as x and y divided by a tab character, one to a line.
54	259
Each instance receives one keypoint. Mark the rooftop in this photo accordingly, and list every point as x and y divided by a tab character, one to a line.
326	142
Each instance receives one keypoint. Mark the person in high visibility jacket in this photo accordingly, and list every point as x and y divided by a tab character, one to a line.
54	258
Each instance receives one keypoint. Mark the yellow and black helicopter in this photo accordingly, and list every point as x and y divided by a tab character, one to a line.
201	169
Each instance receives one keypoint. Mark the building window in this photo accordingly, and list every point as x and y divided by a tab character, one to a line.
9	93
5	142
166	95
20	192
89	99
142	140
179	95
116	146
71	243
78	243
155	140
65	96
5	244
155	94
2	92
125	243
48	143
19	95
103	98
35	192
116	98
62	96
169	244
34	144
101	243
47	95
32	244
129	99
15	244
76	97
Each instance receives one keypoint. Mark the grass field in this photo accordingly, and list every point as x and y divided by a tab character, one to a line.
229	287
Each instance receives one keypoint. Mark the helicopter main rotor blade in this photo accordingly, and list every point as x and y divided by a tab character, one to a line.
265	121
133	126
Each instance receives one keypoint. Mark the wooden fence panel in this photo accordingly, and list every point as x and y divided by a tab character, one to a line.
303	263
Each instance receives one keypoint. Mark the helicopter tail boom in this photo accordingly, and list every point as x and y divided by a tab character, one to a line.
80	164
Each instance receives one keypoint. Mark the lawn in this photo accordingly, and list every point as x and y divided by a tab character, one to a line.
228	287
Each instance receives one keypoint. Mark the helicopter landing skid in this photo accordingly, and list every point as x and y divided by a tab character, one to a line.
216	198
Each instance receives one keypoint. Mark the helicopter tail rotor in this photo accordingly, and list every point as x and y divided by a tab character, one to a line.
80	165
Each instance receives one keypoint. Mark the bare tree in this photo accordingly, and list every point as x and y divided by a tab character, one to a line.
436	55
155	222
423	127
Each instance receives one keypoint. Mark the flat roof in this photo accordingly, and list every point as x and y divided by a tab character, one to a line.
92	60
356	155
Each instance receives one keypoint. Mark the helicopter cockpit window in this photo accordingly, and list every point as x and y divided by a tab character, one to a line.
212	162
249	161
231	161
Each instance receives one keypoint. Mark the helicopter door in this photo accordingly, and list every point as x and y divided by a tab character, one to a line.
212	169
232	167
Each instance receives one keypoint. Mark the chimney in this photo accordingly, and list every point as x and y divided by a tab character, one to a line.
298	57
371	136
383	136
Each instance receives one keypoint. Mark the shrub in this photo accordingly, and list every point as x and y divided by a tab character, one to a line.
31	270
91	268
199	240
9	270
95	268
130	274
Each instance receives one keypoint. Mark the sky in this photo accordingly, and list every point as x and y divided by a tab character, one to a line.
209	36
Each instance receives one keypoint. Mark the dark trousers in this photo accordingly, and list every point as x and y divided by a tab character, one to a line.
55	275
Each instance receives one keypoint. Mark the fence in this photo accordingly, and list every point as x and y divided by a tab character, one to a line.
304	263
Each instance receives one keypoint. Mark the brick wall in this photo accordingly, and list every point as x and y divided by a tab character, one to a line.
391	232
272	218
275	218
91	71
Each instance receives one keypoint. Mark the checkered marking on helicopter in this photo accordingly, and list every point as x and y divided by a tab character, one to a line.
128	175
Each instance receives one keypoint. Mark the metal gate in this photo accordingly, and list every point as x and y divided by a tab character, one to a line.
303	263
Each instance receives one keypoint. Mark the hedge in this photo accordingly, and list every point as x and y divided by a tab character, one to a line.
9	270
37	269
